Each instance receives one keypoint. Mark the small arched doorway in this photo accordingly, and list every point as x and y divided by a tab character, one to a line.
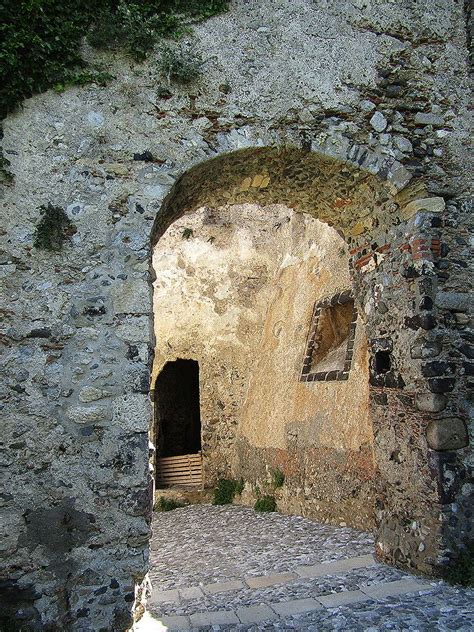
178	424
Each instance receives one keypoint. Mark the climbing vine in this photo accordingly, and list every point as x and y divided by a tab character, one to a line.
40	40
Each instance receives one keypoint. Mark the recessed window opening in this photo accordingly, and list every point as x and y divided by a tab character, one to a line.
177	409
382	362
331	340
329	351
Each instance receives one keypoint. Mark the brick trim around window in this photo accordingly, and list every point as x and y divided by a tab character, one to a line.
335	375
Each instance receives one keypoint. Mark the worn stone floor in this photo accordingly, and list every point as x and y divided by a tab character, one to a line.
230	568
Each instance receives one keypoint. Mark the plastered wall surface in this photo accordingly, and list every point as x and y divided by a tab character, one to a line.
353	112
237	295
210	298
317	433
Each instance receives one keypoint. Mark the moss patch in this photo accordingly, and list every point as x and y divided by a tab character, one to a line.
53	229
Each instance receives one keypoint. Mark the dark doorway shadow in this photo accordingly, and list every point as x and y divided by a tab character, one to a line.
177	409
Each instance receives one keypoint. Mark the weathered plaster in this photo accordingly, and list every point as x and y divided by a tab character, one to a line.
210	297
237	296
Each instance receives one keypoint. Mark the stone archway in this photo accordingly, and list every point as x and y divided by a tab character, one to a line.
91	368
379	217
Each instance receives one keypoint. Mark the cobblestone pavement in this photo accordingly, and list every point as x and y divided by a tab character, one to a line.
230	568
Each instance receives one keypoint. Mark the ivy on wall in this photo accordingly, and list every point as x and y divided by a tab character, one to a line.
40	40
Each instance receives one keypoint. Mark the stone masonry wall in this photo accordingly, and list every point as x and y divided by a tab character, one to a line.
370	101
317	433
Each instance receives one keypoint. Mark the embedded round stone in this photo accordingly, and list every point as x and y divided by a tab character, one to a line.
447	434
431	402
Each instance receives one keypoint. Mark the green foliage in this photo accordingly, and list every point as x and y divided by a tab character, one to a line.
167	504
179	65
239	486
83	78
278	478
133	26
187	233
226	490
461	571
53	229
265	503
40	40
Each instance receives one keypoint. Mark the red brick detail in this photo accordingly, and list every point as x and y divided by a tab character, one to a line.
420	248
436	247
424	248
363	261
354	251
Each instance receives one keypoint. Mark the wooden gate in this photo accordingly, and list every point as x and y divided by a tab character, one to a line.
180	471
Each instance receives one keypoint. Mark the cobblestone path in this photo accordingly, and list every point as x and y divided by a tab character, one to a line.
230	568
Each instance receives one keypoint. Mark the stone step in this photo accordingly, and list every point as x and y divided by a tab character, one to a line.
287	609
263	581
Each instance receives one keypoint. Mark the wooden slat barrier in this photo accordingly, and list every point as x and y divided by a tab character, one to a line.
184	470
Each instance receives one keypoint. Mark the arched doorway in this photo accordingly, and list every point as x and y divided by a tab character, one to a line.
376	213
241	292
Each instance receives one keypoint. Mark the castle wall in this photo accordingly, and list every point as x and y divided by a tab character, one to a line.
210	298
317	433
382	88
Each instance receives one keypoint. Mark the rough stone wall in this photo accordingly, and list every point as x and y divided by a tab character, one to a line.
210	298
381	87
317	433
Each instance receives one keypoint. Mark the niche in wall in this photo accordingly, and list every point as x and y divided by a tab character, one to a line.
330	343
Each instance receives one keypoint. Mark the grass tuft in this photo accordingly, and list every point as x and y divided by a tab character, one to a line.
265	504
226	490
167	504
